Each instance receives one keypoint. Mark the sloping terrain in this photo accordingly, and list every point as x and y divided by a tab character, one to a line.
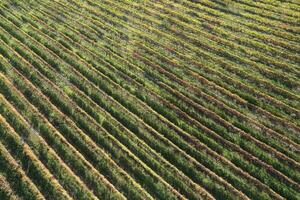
157	99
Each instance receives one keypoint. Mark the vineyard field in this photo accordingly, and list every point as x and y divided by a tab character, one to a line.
150	99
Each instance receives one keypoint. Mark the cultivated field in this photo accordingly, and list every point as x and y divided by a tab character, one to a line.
150	99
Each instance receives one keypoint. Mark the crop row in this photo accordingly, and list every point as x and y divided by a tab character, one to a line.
67	85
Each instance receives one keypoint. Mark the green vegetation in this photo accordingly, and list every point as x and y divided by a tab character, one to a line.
166	99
